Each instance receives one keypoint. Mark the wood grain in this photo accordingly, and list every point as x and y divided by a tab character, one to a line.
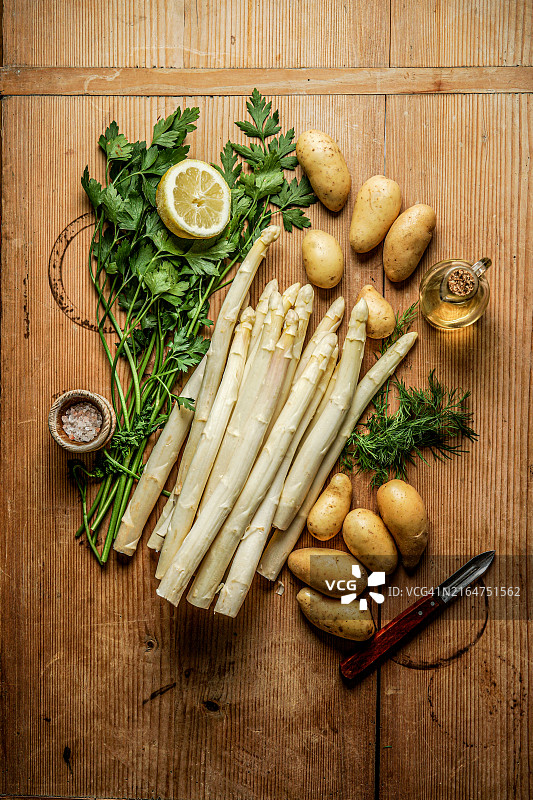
267	33
177	33
227	82
126	33
458	33
105	691
146	698
468	157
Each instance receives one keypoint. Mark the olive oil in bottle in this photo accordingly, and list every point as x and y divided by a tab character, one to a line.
454	293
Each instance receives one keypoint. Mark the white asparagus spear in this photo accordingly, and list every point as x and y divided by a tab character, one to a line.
331	320
323	403
212	434
219	555
248	392
270	329
251	546
287	299
218	508
320	439
303	305
155	542
220	342
289	296
261	311
329	323
158	467
282	542
157	537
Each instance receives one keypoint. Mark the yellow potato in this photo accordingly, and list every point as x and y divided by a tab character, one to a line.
406	241
368	539
403	512
323	259
327	571
324	165
327	515
327	613
381	319
377	205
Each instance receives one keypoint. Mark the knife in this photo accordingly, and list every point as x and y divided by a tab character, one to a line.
399	630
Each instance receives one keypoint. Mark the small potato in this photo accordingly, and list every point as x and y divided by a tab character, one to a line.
403	512
377	205
327	571
324	165
406	241
323	259
381	319
327	515
327	613
368	539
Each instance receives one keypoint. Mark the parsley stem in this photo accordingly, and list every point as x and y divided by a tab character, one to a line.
82	488
104	507
115	513
92	510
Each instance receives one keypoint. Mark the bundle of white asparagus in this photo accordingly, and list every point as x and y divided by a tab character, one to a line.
271	419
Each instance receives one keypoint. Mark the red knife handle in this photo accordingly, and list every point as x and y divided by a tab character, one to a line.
392	636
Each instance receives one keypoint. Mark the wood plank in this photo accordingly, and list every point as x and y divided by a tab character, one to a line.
237	82
266	33
459	33
165	33
149	700
269	34
128	33
467	716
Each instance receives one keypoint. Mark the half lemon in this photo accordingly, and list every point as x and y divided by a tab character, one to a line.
193	200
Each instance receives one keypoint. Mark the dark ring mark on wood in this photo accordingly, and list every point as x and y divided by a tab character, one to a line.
159	692
211	706
405	661
55	271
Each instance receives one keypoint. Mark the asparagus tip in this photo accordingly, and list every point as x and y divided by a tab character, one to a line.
270	234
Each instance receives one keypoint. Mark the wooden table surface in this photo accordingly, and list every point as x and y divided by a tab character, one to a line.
107	691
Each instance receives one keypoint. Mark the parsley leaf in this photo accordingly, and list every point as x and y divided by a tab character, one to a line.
230	170
295	194
161	278
265	124
114	144
142	260
294	217
113	202
92	188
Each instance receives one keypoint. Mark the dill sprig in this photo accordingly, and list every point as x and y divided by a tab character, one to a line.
401	326
427	419
434	419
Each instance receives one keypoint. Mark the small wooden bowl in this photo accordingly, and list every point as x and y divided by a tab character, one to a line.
55	422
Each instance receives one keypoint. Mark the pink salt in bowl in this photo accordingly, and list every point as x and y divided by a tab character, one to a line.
81	421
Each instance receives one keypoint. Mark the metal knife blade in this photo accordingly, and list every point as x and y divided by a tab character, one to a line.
403	627
453	586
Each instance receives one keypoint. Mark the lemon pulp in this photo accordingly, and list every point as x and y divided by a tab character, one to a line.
194	200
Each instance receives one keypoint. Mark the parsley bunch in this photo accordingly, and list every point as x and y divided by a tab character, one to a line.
434	419
162	284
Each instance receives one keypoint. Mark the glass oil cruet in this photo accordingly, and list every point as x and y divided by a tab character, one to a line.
454	293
